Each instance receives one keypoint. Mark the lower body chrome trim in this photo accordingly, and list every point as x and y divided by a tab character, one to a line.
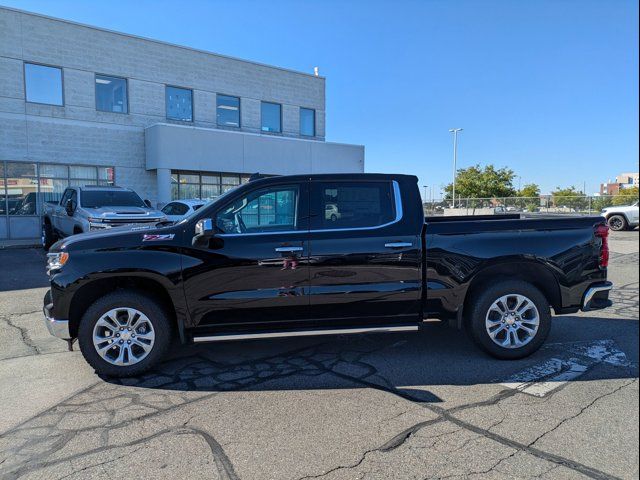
591	292
58	328
305	333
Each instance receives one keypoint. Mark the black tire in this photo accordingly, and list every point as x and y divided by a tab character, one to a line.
334	218
617	223
48	237
479	310
120	299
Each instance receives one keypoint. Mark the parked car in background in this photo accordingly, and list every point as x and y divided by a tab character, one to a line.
263	261
622	218
178	209
331	212
83	209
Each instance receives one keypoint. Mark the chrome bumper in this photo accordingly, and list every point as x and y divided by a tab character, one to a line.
57	328
597	297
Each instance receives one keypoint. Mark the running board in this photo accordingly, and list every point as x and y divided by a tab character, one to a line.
304	333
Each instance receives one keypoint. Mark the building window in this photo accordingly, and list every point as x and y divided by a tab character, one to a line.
111	94
25	187
203	185
179	104
228	111
271	114
307	122
53	181
22	188
43	84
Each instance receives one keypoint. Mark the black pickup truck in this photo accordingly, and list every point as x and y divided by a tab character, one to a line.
319	255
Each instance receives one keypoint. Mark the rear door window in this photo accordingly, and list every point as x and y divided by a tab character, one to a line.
341	205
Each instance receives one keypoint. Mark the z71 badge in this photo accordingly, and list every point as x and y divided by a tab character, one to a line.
157	238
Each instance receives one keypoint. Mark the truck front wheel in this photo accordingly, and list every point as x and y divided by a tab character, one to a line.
124	334
510	320
617	223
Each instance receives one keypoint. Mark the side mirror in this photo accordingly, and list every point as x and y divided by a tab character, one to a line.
148	203
204	231
68	206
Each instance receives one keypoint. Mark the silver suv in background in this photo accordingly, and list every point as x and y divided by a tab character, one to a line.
622	218
83	209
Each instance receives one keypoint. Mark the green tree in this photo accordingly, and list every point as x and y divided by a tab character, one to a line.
529	197
570	197
478	182
626	196
530	190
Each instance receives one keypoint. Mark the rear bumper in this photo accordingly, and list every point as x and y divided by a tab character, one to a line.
57	327
597	297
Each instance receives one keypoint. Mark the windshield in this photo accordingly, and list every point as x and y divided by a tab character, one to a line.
110	198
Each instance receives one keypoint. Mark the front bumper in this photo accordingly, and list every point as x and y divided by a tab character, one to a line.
597	297
57	327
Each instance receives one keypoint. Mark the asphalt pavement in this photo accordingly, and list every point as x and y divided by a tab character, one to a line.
401	406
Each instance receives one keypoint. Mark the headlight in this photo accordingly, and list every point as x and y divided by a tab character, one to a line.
55	261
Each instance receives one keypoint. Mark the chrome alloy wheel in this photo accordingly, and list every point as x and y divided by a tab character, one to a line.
512	321
123	336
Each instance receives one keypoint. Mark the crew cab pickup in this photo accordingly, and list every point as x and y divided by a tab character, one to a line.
265	260
82	209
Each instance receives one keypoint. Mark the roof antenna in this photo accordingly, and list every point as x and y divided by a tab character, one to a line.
316	71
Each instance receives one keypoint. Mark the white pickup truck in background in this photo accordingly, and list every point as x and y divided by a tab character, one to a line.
82	209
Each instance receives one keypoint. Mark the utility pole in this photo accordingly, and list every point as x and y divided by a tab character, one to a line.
455	161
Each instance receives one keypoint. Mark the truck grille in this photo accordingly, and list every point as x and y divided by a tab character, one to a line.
125	221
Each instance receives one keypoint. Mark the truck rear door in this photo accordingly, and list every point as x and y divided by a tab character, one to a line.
364	262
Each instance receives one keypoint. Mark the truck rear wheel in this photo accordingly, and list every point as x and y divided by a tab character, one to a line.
510	320
124	334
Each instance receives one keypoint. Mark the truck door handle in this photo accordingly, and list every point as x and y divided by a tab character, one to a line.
398	244
289	249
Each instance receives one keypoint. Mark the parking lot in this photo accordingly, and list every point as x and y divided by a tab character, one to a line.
425	405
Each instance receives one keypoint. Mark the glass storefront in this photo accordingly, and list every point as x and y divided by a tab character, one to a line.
203	185
26	186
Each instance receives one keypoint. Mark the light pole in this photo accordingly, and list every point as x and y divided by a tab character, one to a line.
455	161
425	193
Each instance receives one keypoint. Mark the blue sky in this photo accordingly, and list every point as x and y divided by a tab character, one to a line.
547	88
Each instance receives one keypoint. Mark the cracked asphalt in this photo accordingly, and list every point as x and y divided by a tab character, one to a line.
402	406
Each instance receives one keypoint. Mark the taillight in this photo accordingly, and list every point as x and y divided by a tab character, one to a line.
602	232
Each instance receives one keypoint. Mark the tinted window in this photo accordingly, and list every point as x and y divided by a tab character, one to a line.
228	111
111	94
307	122
179	104
175	208
110	198
43	84
271	117
354	204
267	210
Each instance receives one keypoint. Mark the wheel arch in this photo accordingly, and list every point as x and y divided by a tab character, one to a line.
533	272
94	289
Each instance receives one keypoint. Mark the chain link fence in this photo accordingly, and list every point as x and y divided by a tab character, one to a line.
545	204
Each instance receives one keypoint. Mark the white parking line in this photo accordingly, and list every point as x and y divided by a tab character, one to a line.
539	380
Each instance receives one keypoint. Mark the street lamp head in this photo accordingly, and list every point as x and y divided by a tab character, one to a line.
454	130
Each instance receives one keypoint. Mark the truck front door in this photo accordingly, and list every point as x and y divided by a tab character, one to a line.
255	269
364	262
